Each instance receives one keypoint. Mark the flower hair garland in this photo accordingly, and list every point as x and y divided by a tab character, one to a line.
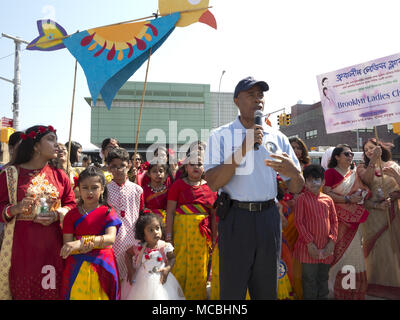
34	134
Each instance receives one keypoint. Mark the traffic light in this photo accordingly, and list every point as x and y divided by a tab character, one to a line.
288	120
281	119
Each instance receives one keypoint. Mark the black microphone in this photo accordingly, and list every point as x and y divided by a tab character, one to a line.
258	115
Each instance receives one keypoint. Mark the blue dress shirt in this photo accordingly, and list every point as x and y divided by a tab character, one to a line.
253	180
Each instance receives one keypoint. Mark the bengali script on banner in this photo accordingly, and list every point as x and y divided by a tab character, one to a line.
361	96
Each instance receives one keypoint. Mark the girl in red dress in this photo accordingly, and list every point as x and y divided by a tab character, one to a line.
90	230
156	191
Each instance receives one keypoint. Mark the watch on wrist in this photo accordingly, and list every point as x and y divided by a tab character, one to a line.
346	199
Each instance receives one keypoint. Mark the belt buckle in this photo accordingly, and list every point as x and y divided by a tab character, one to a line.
254	206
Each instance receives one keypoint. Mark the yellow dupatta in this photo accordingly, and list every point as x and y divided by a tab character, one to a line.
6	249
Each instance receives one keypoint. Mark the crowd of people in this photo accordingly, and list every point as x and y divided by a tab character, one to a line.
173	228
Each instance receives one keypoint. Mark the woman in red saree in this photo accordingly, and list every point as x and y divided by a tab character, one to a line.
30	263
188	226
89	230
344	186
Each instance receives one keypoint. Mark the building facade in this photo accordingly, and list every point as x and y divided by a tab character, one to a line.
307	123
174	114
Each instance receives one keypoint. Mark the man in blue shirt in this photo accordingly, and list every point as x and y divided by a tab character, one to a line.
250	234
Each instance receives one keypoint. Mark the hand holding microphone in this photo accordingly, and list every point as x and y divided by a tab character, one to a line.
258	116
254	135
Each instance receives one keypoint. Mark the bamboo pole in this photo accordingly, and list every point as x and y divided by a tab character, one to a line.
141	107
385	196
72	115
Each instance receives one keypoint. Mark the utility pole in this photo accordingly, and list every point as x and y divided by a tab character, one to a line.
17	78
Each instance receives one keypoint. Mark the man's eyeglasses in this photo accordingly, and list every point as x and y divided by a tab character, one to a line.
348	154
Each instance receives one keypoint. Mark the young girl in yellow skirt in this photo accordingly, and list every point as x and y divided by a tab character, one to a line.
188	227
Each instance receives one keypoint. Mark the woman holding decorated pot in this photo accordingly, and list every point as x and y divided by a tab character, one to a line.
34	197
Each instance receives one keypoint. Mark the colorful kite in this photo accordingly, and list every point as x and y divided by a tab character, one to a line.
110	55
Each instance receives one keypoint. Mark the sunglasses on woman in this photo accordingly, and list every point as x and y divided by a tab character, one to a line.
348	154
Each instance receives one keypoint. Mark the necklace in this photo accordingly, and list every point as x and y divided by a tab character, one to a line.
159	189
34	172
194	183
85	211
341	171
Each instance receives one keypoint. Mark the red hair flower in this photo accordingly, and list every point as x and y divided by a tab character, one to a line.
42	130
159	259
75	182
145	166
147	257
23	136
32	134
51	129
287	197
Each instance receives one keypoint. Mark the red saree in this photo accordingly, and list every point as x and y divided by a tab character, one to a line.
191	233
101	260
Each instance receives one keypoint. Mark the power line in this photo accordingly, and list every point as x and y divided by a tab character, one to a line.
11	54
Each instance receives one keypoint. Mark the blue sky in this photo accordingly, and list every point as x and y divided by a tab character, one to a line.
286	43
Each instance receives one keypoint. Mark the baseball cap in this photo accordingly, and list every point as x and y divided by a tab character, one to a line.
247	83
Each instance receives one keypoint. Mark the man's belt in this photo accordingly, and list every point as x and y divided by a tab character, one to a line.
253	206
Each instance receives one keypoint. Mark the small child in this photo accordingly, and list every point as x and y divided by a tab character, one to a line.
155	193
126	198
154	259
317	224
89	231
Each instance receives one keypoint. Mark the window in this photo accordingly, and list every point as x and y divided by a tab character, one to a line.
390	127
311	134
371	129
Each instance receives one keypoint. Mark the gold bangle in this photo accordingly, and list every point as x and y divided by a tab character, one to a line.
101	244
7	214
92	240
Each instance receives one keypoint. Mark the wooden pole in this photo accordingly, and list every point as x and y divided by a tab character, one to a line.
70	124
385	195
141	107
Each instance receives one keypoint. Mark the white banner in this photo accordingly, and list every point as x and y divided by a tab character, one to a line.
361	96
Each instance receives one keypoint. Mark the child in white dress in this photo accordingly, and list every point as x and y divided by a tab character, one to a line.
154	258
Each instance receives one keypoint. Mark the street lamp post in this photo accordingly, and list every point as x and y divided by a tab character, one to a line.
219	97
